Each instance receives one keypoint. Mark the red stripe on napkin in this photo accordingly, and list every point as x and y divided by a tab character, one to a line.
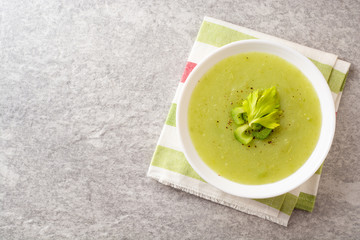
188	68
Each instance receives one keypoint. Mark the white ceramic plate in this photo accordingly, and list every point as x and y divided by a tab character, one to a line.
326	133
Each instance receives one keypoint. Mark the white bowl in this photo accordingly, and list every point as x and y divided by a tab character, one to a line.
327	125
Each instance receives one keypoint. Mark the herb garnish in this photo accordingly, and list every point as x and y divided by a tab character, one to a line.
258	115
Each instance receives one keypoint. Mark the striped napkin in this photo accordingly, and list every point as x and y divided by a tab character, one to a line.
169	165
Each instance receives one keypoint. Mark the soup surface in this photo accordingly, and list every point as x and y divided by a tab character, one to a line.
224	87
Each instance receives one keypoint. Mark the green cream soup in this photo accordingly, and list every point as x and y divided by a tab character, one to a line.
224	87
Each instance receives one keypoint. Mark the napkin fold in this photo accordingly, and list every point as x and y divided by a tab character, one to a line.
169	165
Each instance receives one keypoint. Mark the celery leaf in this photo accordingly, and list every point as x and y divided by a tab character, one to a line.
263	108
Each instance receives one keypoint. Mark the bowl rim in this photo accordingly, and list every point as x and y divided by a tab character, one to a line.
311	165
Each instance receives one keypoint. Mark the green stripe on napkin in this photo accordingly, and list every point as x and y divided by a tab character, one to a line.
325	69
218	35
274	202
173	160
344	81
320	169
306	202
337	81
289	204
171	118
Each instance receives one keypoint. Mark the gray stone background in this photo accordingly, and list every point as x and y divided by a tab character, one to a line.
85	87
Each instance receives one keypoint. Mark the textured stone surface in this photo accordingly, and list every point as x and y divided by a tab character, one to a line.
84	91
